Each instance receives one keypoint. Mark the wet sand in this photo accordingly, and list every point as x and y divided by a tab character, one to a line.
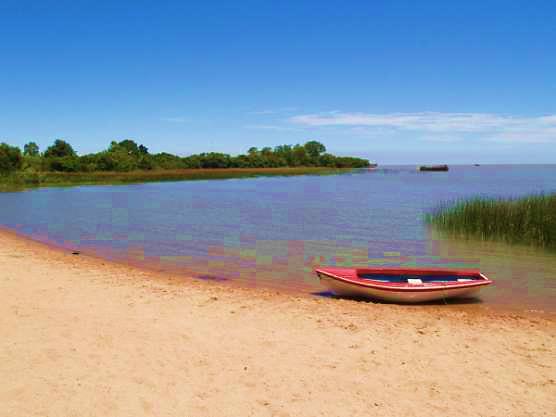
85	337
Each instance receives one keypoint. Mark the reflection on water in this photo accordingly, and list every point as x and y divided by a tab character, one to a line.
272	232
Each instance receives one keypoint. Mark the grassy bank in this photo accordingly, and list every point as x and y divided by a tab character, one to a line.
530	220
23	180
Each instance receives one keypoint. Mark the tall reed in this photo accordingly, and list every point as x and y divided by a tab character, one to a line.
529	220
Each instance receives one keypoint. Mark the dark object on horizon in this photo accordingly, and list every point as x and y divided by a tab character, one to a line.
433	168
477	165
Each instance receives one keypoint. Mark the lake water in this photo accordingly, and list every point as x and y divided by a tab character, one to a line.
272	231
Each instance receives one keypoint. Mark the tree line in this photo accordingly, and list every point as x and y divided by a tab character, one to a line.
127	155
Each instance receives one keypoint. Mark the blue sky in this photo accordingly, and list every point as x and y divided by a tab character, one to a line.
393	81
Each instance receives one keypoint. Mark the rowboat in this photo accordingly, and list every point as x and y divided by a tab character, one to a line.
403	285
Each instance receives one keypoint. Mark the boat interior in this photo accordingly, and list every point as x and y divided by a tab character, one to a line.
418	279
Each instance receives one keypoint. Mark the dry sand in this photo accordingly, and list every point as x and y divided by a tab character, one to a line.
84	337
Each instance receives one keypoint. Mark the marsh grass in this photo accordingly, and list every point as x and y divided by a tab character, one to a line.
23	180
530	220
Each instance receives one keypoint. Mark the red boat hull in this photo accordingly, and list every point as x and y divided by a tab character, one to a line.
421	286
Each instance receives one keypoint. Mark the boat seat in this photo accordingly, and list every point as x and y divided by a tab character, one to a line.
464	279
414	281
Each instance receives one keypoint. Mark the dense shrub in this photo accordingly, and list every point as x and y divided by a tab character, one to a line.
10	158
60	149
31	149
127	155
63	164
167	161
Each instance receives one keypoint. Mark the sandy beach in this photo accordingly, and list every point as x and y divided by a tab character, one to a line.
85	337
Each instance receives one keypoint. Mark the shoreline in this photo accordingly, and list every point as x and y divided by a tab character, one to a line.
189	278
21	181
85	336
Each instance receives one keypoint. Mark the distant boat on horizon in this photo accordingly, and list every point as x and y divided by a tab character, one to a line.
433	168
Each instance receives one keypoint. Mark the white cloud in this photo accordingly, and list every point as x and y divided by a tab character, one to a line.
547	135
500	127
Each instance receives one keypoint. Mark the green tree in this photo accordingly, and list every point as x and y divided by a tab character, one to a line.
166	160
127	145
146	162
126	155
10	158
351	162
299	156
64	164
327	160
241	161
31	149
192	162
90	162
314	149
123	161
59	149
121	156
215	160
285	154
